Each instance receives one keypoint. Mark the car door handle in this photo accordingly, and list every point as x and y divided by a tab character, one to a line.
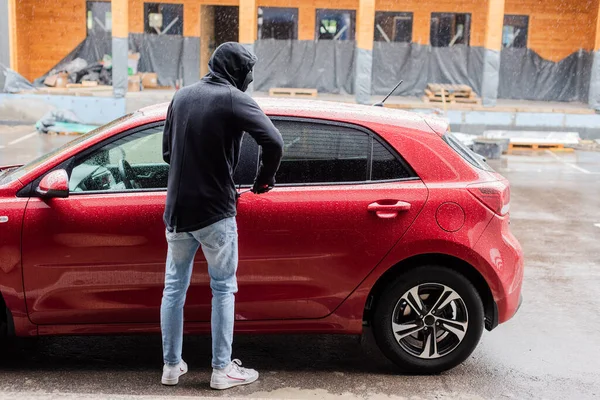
387	211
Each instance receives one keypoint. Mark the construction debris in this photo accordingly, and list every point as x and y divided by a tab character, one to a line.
62	122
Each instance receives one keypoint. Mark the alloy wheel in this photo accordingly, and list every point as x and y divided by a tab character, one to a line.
430	321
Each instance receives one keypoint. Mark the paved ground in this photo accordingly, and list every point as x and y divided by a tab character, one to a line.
549	350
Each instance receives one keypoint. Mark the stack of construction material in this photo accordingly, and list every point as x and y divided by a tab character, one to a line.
452	94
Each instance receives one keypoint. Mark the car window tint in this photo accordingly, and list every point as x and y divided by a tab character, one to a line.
386	165
321	153
140	156
245	171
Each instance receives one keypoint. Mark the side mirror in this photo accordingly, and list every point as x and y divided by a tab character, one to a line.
54	184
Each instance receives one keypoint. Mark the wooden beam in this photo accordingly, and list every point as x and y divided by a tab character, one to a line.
494	24
248	21
365	24
12	35
306	21
207	36
120	18
191	19
597	36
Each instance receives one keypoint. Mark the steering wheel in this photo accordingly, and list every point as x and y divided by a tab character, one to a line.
128	175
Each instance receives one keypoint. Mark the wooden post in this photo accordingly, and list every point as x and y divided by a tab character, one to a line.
191	43
248	22
207	33
120	46
120	18
492	47
365	30
365	24
12	35
306	21
494	25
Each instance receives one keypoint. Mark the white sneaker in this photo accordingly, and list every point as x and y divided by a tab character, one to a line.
171	373
232	375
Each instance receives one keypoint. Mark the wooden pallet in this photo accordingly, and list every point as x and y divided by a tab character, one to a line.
292	92
454	90
450	94
452	100
538	146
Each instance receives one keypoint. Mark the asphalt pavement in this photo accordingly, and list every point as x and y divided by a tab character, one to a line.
549	350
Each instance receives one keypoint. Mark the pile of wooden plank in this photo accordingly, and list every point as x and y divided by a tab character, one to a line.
451	94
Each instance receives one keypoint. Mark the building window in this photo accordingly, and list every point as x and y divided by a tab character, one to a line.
335	24
99	17
277	23
448	29
393	27
163	18
514	32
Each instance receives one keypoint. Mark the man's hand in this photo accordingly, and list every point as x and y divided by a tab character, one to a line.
261	188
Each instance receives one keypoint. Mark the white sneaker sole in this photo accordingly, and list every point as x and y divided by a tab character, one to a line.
173	381
227	385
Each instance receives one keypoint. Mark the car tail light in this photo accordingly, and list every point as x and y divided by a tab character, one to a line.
494	195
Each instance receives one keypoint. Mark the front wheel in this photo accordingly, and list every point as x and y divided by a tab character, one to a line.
428	320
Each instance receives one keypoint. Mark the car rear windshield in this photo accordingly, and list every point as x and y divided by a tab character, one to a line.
10	175
466	153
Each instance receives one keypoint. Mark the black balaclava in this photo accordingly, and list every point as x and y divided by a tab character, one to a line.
233	63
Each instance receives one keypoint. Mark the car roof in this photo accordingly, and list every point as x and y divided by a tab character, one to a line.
335	111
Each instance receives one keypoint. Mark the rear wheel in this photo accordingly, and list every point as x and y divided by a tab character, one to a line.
428	320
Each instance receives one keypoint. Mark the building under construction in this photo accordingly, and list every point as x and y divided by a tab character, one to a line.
514	49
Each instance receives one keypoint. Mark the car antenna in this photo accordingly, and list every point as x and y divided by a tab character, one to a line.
380	104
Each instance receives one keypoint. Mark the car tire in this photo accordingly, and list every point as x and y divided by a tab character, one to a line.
457	327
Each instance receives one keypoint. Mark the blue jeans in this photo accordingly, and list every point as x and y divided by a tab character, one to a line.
219	243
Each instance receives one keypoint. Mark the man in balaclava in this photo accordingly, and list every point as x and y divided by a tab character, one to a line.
202	136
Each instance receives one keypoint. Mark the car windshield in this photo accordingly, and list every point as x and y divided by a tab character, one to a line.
11	175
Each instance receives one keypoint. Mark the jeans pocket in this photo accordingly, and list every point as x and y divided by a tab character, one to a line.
220	234
175	235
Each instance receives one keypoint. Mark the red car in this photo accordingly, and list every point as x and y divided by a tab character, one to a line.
380	218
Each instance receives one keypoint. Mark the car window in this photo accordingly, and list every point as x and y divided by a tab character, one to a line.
386	165
322	153
129	163
247	166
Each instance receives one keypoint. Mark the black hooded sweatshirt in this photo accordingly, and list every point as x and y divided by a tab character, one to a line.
202	137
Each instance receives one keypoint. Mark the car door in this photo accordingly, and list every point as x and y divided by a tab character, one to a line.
343	199
98	256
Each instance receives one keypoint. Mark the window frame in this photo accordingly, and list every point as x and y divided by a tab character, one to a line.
394	15
146	13
353	22
87	152
468	24
527	23
372	137
88	8
296	25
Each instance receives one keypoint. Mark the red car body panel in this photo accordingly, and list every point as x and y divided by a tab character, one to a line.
309	256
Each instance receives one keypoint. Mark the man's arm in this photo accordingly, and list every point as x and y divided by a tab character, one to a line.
166	145
253	120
